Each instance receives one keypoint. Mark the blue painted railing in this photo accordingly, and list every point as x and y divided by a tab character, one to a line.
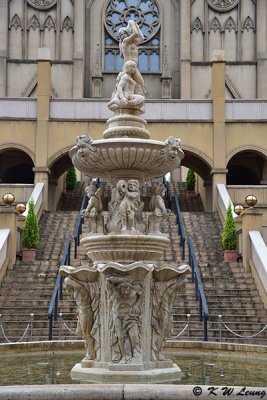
199	291
52	311
179	221
78	228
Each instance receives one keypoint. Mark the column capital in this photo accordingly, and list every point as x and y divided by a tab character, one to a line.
219	171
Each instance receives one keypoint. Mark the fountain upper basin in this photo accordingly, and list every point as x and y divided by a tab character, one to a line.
127	157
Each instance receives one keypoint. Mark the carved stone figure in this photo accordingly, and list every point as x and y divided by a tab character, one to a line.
173	149
125	299
157	206
128	92
163	295
129	206
94	209
87	297
130	38
84	145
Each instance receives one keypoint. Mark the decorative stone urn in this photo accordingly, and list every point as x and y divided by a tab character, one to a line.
124	300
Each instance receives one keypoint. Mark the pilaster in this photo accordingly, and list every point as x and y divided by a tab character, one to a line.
219	136
79	48
261	48
42	129
185	72
251	221
3	46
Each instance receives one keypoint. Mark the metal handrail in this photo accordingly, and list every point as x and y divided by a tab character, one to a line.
199	291
169	195
53	306
78	227
179	221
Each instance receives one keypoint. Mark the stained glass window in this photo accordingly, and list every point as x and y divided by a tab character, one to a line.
146	15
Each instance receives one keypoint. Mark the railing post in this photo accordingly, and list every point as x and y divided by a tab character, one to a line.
200	308
75	247
51	327
55	312
220	327
196	288
188	326
60	288
59	325
205	328
69	252
31	327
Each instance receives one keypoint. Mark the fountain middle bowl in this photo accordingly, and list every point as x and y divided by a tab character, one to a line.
125	248
126	157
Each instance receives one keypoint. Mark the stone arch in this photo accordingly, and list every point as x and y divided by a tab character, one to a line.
59	163
198	161
246	166
16	164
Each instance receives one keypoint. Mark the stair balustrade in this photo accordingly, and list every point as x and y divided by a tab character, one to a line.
78	228
179	221
199	291
52	311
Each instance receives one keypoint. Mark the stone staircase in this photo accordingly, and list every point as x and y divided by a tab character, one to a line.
229	291
27	287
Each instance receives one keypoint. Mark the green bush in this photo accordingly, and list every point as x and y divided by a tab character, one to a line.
190	180
30	238
229	237
71	179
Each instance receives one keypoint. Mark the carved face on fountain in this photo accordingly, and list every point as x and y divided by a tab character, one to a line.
133	185
124	289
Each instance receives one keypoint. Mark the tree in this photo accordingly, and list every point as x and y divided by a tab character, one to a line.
229	237
71	179
190	180
30	238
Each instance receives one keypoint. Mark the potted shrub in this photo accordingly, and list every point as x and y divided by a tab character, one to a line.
71	180
190	183
229	237
30	236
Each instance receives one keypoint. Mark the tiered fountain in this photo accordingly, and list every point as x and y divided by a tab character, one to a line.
124	300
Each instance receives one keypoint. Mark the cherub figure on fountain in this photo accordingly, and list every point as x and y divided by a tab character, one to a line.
94	209
130	203
159	211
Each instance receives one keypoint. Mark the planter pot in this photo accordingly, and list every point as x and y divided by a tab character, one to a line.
28	255
190	193
230	256
69	193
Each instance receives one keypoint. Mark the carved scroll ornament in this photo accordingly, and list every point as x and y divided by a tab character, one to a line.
222	5
42	4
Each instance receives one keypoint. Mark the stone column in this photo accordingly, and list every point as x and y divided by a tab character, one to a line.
3	46
79	49
8	220
219	137
43	105
261	48
251	221
185	72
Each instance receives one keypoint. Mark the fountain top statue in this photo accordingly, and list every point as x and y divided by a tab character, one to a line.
129	91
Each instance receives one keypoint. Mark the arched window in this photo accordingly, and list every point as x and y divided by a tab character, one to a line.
146	15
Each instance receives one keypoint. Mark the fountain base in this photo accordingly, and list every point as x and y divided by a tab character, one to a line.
127	373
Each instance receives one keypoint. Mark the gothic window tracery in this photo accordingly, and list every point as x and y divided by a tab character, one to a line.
146	15
15	22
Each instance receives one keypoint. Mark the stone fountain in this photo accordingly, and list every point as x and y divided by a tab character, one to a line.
124	300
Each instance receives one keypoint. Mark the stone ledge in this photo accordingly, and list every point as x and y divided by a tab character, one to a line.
118	392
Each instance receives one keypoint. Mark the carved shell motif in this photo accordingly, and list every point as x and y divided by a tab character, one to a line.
222	5
42	4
